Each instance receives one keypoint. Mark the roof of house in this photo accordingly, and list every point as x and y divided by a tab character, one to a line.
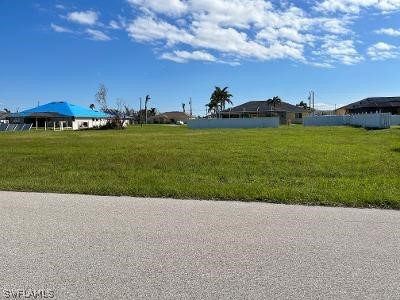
176	115
3	114
375	102
265	106
61	109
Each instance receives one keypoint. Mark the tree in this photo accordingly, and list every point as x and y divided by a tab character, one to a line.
140	115
219	98
302	104
129	111
152	112
92	106
212	107
117	119
101	97
130	114
145	106
7	110
275	101
183	107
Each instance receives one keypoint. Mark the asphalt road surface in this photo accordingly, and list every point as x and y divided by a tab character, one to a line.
91	247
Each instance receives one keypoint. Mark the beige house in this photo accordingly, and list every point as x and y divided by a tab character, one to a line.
286	112
3	117
171	117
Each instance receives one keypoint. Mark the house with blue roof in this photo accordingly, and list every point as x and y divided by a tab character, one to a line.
61	115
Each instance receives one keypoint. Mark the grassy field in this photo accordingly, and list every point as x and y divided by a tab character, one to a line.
327	166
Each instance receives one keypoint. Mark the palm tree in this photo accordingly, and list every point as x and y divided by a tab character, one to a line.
92	106
219	98
212	106
153	112
147	99
274	101
302	104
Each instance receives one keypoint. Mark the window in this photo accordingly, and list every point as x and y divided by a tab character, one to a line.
298	115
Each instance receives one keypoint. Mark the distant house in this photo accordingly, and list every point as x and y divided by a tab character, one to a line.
171	117
372	105
60	115
253	109
3	117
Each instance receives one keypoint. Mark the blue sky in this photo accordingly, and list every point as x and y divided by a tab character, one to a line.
52	50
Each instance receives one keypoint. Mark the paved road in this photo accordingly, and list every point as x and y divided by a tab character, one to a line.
90	247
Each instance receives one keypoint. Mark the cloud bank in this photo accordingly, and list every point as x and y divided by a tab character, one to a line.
318	33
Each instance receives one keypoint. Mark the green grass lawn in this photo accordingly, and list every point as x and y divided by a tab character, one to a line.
315	165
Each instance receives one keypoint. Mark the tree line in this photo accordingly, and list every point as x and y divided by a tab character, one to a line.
219	99
121	111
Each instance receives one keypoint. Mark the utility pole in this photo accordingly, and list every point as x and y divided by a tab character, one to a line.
145	107
190	104
140	112
311	101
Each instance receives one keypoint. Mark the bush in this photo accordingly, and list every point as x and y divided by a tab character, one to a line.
114	123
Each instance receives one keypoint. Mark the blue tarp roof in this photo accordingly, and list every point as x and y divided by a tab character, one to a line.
63	109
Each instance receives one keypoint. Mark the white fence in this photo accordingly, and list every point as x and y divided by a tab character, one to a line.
371	120
326	120
271	122
377	120
395	120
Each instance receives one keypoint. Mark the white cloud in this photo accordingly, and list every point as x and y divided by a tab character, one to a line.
383	51
114	25
326	106
337	50
242	29
228	40
237	30
147	29
97	35
325	65
236	13
284	33
170	7
355	6
61	29
335	26
185	56
388	31
211	36
388	5
88	17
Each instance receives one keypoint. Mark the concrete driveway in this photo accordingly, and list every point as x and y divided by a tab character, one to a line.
91	247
